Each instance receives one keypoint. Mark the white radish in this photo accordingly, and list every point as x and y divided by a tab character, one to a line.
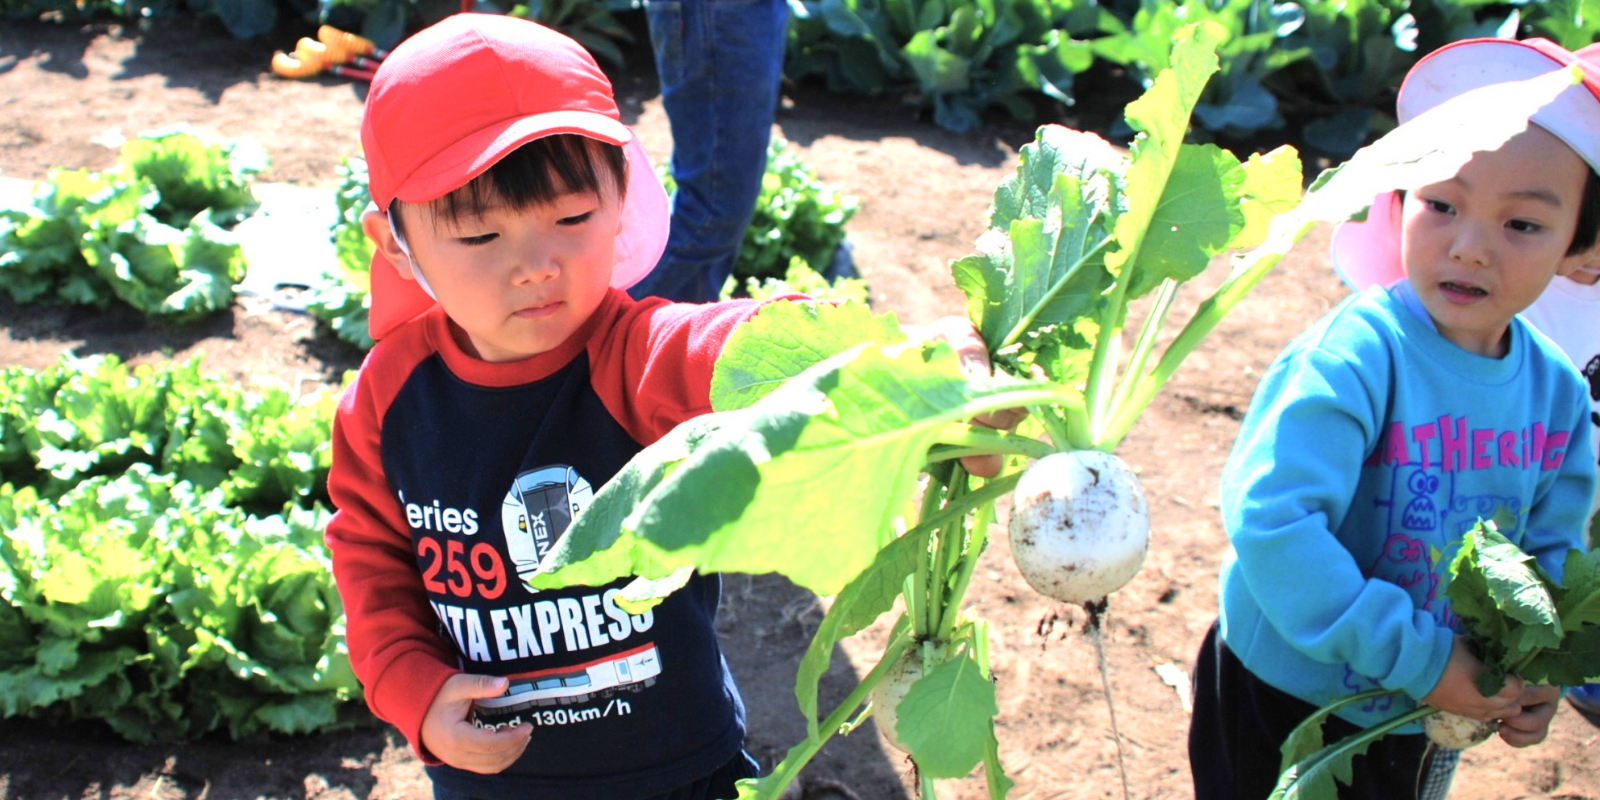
886	696
1455	732
1080	527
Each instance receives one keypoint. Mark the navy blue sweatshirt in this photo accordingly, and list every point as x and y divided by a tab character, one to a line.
453	476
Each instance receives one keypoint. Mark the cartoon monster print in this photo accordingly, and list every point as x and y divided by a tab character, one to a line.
1421	513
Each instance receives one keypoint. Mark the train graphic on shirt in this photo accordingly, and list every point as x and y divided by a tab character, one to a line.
629	671
536	512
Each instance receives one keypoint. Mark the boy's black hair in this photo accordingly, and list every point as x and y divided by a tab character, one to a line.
1583	237
539	172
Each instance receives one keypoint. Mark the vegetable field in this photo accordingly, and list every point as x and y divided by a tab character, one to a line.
923	195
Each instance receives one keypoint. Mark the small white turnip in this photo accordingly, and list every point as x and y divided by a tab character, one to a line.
1456	732
1079	525
886	696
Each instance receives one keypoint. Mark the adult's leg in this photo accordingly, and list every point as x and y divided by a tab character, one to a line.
720	62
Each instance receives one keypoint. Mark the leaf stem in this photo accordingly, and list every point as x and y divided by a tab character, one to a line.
1253	267
994	773
977	541
1055	425
991	491
946	550
1149	332
978	440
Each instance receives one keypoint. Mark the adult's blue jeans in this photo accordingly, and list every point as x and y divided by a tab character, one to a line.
719	63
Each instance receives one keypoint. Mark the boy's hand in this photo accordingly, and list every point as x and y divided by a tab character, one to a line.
1457	693
957	331
448	733
1533	724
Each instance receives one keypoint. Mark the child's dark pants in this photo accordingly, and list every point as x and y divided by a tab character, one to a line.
1240	722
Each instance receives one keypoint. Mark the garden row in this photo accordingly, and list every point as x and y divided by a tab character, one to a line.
1322	71
163	569
155	233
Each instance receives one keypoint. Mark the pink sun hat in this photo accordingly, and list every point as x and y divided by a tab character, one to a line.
458	96
1368	252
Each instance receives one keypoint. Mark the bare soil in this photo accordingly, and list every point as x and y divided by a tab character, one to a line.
923	195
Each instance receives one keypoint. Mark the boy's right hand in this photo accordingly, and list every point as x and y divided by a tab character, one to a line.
448	732
1457	692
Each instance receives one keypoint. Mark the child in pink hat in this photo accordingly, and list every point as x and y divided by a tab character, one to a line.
1568	312
1385	431
512	378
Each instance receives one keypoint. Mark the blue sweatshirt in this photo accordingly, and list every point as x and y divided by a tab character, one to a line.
1371	446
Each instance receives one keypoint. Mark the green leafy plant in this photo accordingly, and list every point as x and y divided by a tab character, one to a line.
591	22
958	57
163	568
152	232
1573	24
342	302
1519	620
1360	50
801	279
1237	102
93	417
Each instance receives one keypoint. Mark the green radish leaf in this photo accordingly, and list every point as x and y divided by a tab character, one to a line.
1575	663
785	338
858	605
1031	192
1198	216
718	493
1272	186
1579	603
1041	263
1317	776
1517	589
1161	116
1469	595
643	594
1310	768
944	719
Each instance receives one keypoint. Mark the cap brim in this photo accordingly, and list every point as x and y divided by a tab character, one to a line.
468	158
645	221
1367	253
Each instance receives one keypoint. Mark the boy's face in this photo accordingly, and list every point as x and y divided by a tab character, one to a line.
1482	246
515	283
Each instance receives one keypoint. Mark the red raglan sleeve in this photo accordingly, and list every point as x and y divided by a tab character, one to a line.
391	632
653	370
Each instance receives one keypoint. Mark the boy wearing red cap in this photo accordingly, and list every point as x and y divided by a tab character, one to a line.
1384	432
513	376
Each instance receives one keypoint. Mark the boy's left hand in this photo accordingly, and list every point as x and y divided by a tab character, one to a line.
1532	725
957	331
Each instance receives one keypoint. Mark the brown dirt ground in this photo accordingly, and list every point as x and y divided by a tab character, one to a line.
923	198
